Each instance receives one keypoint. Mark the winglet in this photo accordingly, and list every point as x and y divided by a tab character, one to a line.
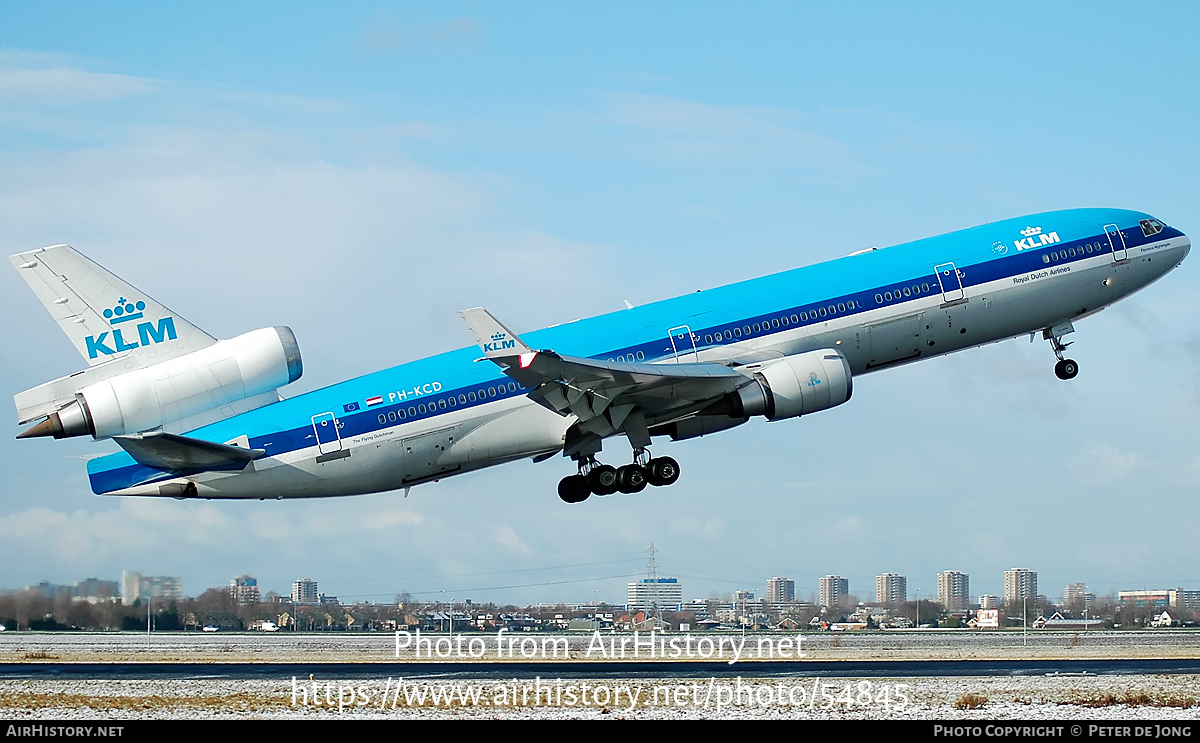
496	340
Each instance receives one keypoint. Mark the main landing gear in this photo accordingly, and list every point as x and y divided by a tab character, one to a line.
1065	368
603	479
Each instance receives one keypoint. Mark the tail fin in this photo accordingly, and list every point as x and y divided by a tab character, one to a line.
104	317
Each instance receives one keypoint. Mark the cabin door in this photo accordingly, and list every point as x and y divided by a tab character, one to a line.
950	280
683	344
1116	240
327	430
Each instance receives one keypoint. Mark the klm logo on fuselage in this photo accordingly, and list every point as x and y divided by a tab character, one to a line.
498	343
1033	238
126	312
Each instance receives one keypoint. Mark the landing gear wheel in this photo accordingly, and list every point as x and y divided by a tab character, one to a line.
602	480
574	489
662	471
1066	369
631	478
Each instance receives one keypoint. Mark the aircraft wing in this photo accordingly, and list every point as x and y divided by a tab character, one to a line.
605	396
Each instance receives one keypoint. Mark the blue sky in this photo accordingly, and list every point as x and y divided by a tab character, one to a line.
360	172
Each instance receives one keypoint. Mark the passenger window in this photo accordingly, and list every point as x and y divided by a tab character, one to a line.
737	332
795	319
491	391
472	396
757	328
804	316
850	305
412	412
383	418
512	386
1071	251
887	296
390	416
400	414
924	287
1045	258
878	299
452	400
441	404
640	356
462	399
746	330
822	311
421	407
775	322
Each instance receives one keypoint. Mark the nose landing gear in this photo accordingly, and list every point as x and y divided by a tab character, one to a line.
1065	368
603	479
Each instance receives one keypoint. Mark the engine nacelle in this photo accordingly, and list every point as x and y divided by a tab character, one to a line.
144	399
697	425
792	386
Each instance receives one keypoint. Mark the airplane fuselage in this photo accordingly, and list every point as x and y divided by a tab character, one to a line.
453	413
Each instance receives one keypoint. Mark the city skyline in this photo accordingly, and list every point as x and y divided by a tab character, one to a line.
306	590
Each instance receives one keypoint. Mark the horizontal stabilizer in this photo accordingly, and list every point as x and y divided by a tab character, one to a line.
496	340
174	453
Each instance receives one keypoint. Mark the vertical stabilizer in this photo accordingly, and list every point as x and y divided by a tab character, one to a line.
104	317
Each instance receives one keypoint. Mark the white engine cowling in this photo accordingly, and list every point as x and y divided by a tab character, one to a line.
791	386
144	399
805	383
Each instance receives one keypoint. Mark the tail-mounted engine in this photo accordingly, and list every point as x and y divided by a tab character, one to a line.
143	399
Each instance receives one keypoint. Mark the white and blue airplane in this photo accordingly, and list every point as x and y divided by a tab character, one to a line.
196	417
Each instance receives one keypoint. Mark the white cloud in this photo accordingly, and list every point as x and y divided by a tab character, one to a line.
508	538
684	130
1104	464
49	80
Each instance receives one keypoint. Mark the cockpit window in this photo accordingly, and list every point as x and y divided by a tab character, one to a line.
1151	226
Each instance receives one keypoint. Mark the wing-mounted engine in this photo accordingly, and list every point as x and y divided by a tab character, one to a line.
225	376
790	387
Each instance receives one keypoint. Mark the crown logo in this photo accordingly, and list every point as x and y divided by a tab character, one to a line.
1031	231
124	311
497	336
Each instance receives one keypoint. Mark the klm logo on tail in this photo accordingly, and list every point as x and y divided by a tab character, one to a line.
498	343
124	312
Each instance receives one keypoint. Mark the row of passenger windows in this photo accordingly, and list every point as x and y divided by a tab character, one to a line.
1062	255
447	402
915	290
778	322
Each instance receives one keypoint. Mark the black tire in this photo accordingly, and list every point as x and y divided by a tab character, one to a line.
1066	369
602	480
573	489
631	478
662	471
